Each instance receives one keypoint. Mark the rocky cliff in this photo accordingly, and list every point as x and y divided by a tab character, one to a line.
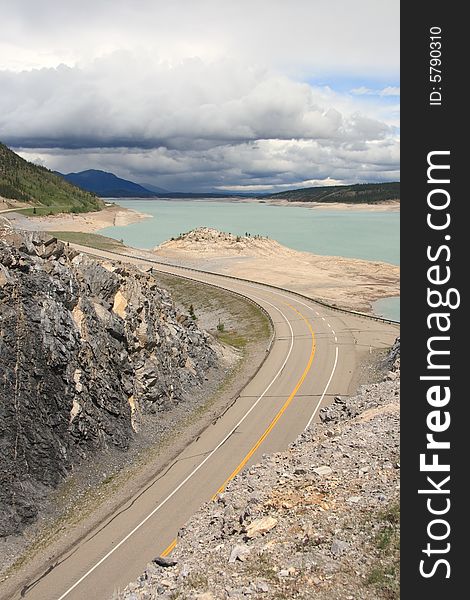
86	349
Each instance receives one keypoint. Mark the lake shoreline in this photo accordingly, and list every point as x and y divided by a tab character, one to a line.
363	234
89	222
353	283
389	205
115	215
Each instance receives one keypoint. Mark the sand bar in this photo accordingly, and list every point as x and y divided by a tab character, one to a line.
346	282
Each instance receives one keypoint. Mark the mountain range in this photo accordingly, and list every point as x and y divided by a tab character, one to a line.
39	187
108	185
370	193
81	191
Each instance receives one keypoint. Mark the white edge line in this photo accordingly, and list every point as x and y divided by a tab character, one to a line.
334	365
324	391
137	527
180	485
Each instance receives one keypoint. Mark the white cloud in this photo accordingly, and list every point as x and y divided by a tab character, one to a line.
122	100
306	35
387	91
279	187
206	94
390	91
363	91
262	164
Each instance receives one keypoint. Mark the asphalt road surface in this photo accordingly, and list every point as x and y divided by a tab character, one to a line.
314	357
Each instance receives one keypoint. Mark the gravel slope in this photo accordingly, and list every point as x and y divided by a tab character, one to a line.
318	521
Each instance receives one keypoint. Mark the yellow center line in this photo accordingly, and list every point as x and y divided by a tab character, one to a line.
270	427
169	548
281	411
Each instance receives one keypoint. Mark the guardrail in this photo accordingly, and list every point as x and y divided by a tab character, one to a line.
269	285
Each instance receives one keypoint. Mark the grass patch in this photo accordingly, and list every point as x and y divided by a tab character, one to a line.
232	338
384	573
385	578
197	581
261	566
385	538
388	536
45	211
235	322
93	240
391	514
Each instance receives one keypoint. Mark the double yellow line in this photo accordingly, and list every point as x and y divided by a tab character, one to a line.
271	426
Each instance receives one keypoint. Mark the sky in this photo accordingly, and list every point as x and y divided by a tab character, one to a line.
205	95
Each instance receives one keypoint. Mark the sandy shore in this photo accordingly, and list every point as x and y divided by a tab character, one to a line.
90	222
7	204
390	205
349	283
393	205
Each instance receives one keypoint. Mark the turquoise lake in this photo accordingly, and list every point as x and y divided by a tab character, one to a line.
388	307
353	234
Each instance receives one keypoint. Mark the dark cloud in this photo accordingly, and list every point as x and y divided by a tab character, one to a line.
119	101
260	163
201	94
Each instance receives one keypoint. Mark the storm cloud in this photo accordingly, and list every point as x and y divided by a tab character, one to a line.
201	103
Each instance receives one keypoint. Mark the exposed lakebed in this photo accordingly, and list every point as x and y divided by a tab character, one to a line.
370	235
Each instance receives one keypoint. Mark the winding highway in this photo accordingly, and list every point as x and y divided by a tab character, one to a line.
313	357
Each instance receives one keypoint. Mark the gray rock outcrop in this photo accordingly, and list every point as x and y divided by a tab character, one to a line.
85	348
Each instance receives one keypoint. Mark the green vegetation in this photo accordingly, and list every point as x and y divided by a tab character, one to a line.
261	566
93	240
384	573
364	193
197	581
229	318
232	338
45	211
46	191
